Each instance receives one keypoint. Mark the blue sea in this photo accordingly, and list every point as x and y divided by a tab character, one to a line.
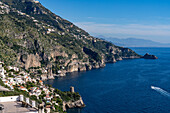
125	86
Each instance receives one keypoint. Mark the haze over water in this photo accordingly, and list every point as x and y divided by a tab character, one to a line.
125	86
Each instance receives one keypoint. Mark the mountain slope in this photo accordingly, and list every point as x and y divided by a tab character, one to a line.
34	37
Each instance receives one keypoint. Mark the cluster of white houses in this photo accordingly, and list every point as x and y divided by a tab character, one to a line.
15	80
22	79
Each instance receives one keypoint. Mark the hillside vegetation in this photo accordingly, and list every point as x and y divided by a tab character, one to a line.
31	36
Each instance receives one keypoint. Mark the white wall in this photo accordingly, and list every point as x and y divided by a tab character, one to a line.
32	112
9	99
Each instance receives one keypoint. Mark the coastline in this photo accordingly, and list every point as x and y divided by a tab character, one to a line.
64	72
106	85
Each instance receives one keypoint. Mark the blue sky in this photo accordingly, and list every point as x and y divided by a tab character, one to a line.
147	19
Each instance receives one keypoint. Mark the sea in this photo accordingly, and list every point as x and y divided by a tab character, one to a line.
125	86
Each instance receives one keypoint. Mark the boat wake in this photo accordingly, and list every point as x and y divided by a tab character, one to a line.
161	91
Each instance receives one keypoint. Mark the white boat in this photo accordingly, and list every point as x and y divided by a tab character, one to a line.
153	87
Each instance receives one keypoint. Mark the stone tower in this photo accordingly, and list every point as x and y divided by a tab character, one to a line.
72	89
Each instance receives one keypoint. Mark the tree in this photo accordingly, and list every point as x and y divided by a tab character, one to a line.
33	97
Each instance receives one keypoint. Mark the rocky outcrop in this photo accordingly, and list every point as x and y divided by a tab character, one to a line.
4	8
77	104
148	56
82	67
51	77
44	77
73	67
31	61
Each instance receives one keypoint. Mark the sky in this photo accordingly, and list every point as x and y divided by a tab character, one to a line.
146	19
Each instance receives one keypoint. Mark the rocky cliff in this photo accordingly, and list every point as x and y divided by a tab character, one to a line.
76	104
33	37
148	56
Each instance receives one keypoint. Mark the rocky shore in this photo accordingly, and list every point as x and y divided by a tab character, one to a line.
77	104
148	56
79	67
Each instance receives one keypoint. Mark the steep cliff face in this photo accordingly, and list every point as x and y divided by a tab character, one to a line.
31	36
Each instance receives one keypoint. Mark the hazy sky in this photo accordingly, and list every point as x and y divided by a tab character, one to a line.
147	19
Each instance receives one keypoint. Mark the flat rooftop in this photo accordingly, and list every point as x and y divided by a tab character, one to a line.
15	107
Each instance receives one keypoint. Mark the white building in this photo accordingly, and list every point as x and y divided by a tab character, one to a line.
34	80
10	79
19	80
11	86
44	71
46	90
38	92
13	68
6	82
2	71
23	88
50	30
